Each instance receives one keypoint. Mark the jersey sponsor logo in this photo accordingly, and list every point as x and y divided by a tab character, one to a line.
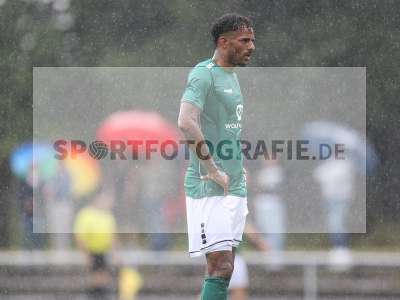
233	125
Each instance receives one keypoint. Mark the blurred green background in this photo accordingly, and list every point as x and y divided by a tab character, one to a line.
177	33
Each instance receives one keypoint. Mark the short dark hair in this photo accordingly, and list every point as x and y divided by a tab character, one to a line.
227	23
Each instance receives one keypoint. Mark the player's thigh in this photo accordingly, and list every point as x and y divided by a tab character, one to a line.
220	261
209	225
238	207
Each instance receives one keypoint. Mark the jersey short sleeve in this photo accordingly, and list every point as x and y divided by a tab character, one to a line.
198	86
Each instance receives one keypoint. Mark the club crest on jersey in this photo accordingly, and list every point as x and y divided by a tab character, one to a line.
239	112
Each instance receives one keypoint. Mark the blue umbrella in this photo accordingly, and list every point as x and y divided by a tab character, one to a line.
359	150
40	155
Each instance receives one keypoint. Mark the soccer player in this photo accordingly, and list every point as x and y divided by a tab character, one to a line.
215	186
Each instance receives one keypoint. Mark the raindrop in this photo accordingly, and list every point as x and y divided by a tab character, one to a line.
46	1
64	21
71	41
27	42
61	5
67	59
24	22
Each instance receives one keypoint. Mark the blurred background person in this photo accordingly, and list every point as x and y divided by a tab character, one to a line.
30	190
336	176
95	234
336	179
60	209
239	283
158	183
269	209
147	183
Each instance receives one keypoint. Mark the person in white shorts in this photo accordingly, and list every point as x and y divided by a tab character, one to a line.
210	118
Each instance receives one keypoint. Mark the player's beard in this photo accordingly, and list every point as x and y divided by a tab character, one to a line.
232	58
241	63
236	59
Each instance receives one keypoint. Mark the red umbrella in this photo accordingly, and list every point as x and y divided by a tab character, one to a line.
144	126
136	125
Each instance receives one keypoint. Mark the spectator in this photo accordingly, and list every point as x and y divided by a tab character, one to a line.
29	190
59	209
336	179
95	229
270	212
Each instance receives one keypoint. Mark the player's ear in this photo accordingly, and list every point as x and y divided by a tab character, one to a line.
222	41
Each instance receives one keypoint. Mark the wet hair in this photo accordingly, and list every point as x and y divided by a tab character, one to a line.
227	23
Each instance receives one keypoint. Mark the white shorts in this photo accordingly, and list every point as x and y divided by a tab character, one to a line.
240	275
215	223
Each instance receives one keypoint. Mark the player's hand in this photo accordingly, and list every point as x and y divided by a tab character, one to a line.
220	178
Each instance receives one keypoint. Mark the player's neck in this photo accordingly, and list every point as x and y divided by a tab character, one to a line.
220	61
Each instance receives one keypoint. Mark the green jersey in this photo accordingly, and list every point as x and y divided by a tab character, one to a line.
216	92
